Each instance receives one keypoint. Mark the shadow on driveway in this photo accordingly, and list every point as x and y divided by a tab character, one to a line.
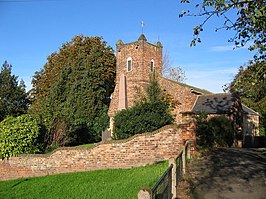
229	173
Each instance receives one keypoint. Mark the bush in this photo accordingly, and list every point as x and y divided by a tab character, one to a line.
205	137
18	135
217	131
223	131
142	118
150	113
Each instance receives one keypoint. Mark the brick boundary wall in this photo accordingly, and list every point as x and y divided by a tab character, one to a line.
138	150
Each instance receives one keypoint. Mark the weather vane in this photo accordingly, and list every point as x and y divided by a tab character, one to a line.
142	26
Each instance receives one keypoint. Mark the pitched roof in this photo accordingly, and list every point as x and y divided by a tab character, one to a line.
218	104
248	110
214	104
192	88
142	37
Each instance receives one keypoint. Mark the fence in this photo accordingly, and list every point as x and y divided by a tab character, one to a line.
163	187
179	167
166	187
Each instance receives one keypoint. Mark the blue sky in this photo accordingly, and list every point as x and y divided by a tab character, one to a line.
33	29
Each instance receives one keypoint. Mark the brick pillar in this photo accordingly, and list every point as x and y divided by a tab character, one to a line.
188	129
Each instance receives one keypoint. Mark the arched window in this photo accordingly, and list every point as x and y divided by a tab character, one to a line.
152	66
129	64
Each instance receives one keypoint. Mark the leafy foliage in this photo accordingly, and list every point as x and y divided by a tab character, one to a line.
148	115
13	96
141	118
249	25
18	135
73	90
250	83
217	131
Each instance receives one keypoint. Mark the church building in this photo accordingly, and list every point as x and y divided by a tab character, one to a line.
136	61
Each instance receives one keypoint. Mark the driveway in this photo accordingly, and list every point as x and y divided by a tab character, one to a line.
229	173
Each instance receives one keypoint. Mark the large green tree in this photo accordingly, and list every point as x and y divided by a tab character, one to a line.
250	83
246	17
13	96
71	93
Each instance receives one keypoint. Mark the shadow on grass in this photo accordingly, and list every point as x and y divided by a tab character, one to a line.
18	183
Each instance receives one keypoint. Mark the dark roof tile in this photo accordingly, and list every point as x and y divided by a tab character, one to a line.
214	104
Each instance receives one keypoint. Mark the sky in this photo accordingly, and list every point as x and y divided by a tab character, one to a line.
30	30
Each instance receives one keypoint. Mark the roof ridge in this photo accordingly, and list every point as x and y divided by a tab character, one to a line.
250	109
203	91
219	94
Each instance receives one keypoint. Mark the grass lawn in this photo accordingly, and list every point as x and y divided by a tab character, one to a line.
88	145
104	184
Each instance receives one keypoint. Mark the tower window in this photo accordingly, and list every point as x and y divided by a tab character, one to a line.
129	64
152	65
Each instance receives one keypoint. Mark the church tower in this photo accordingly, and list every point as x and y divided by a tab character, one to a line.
136	61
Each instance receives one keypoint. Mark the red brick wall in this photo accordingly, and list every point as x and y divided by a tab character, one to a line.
181	95
136	151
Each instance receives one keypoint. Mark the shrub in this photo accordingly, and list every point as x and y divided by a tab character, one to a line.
205	137
223	131
18	135
217	131
147	115
142	118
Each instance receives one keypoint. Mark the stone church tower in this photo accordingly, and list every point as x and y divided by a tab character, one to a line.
136	61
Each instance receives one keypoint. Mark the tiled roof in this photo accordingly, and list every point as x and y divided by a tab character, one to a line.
218	104
214	104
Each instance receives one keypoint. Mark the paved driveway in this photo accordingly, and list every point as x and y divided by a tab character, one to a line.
229	173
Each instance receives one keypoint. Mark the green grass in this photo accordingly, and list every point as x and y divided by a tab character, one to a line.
103	184
88	145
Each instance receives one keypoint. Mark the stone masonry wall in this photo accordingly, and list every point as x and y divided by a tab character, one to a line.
139	150
141	53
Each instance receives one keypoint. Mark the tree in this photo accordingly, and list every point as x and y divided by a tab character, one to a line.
250	83
173	73
248	86
13	97
249	25
176	74
73	89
